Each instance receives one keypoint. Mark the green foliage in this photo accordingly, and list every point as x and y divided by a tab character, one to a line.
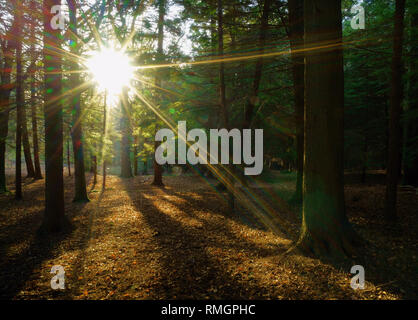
190	91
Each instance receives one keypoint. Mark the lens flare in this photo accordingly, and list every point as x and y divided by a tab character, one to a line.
111	70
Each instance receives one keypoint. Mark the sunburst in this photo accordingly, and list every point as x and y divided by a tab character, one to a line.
111	70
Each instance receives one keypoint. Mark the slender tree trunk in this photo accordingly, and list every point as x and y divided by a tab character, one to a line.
4	123
54	218
19	100
222	93
224	108
325	227
394	161
298	68
411	142
253	99
104	153
77	130
6	87
158	171
145	167
38	172
213	118
91	162
104	175
136	155
26	145
68	157
33	102
126	166
94	168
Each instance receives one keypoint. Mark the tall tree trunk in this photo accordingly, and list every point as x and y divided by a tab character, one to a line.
126	166
394	161
222	92
26	145
325	227
136	155
19	99
33	98
411	143
77	130
94	169
68	157
104	154
54	218
224	108
298	68
4	124
158	172
33	102
213	118
253	98
145	167
8	55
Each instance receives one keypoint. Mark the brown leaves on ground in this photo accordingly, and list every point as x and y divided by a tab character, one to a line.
137	241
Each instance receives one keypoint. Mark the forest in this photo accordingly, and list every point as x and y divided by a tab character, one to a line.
208	150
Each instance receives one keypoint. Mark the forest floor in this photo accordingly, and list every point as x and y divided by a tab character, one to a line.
137	241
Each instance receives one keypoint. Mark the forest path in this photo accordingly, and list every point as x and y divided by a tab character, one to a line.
137	241
151	243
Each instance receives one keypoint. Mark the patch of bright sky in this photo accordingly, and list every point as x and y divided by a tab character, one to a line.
173	12
185	44
151	14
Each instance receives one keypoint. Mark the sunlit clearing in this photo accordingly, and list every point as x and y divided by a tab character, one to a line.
111	70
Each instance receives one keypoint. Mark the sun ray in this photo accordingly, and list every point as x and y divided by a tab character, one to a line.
80	88
111	70
224	59
92	28
136	78
98	65
266	215
63	53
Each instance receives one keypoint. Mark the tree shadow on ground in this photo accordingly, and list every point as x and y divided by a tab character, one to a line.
191	270
22	247
242	212
190	202
388	265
